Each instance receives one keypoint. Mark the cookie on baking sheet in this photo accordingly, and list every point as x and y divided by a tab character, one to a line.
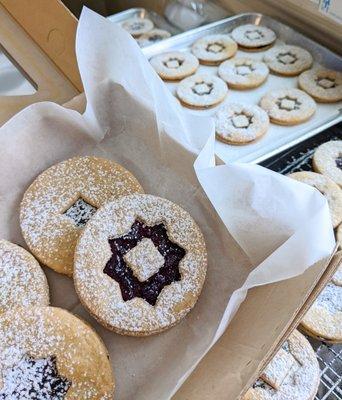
324	318
328	188
339	235
213	49
47	353
153	36
61	200
253	37
324	85
240	123
288	60
243	73
201	91
327	160
292	374
140	265
174	65
288	106
22	281
137	26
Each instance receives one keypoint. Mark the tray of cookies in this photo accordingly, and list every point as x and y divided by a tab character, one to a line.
266	85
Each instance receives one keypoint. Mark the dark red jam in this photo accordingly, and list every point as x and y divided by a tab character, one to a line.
339	161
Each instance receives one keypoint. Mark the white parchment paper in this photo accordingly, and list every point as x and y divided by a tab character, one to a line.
260	227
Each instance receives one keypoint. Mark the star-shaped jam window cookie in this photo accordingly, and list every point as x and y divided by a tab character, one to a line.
33	379
144	261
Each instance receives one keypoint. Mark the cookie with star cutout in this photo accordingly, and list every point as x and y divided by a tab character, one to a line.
174	65
47	353
140	265
137	26
327	160
213	49
288	106
251	37
57	205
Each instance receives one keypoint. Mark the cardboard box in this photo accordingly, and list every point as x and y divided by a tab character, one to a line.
40	37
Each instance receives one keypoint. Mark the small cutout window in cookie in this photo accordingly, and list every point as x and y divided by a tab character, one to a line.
202	88
34	379
287	58
241	121
215	47
173	63
288	103
338	161
255	34
244	69
80	212
144	261
326	83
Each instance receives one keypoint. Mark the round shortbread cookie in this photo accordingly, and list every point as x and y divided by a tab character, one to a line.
47	353
288	106
327	160
153	36
61	200
324	318
243	73
240	123
253	36
174	65
213	49
324	85
292	374
288	60
137	26
330	190
22	281
202	91
140	265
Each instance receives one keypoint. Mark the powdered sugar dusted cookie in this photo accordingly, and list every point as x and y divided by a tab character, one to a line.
47	353
137	26
288	60
324	85
22	281
339	235
243	73
253	37
153	36
293	373
288	106
213	49
328	188
61	200
324	318
327	160
240	124
140	265
202	91
174	65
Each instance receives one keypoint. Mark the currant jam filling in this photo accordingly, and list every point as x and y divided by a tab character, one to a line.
173	62
34	379
288	103
118	269
263	385
80	212
215	47
287	58
326	83
137	25
202	88
242	121
244	69
255	34
338	161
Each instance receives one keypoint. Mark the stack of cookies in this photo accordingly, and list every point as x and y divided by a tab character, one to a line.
242	123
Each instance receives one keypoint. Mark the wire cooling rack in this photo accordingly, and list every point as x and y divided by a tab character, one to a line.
296	159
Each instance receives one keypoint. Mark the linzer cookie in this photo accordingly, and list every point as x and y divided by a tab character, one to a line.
202	91
288	60
328	188
253	37
324	318
153	36
288	106
213	49
137	26
61	200
327	160
47	353
240	124
174	65
339	235
22	281
292	374
140	265
324	85
243	73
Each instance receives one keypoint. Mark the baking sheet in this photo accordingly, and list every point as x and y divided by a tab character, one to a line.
278	137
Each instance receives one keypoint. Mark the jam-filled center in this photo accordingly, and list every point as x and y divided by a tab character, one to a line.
34	379
287	58
326	83
80	212
241	121
338	161
215	47
136	25
203	88
288	103
254	34
144	261
173	62
244	69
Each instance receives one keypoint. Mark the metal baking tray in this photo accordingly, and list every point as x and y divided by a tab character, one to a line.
278	138
159	21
